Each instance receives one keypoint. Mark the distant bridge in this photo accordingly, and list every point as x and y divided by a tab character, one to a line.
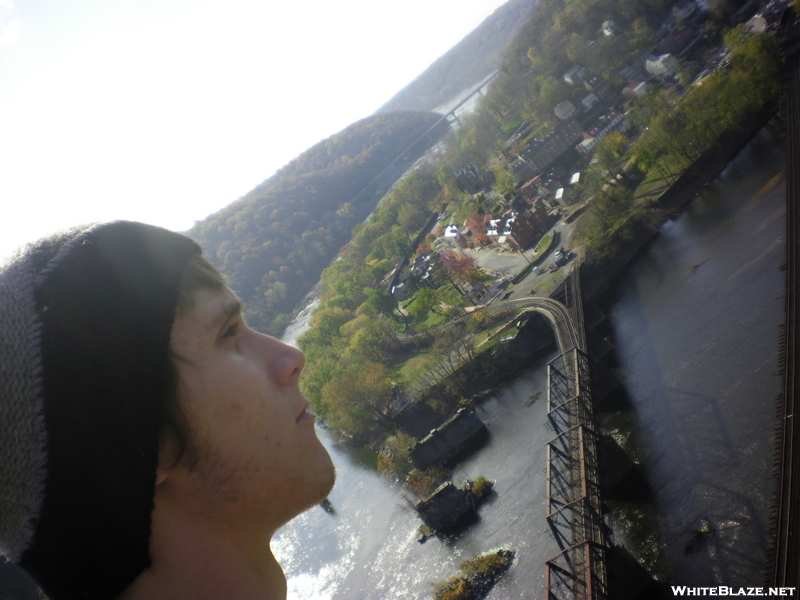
484	83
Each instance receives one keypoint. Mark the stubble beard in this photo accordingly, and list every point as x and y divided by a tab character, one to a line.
229	482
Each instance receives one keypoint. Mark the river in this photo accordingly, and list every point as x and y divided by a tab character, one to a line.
368	548
695	322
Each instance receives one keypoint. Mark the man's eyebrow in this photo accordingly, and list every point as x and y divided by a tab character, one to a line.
229	309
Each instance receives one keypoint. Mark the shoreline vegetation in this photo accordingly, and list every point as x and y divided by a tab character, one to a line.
448	507
478	576
370	358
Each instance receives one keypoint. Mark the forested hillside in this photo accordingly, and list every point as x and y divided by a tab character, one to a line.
273	243
469	61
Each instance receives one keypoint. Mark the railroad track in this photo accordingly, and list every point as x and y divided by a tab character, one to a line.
786	530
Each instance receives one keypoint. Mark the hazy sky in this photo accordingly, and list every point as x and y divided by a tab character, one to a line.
166	110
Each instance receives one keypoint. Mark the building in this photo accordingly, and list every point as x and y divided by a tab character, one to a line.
520	229
541	154
598	86
662	66
589	102
634	90
576	75
525	228
469	179
609	28
564	110
549	184
452	232
611	121
530	189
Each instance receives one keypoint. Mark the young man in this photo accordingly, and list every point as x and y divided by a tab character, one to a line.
151	442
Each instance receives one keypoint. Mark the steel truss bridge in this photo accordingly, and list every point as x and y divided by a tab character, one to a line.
574	514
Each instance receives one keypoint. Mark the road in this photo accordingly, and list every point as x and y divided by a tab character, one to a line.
507	264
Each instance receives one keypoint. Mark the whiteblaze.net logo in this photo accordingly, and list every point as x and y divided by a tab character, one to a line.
722	590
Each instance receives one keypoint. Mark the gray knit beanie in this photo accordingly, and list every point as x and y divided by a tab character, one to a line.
85	321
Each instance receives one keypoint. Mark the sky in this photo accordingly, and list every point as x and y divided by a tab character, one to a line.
165	111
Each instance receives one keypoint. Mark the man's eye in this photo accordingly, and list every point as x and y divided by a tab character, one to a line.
231	330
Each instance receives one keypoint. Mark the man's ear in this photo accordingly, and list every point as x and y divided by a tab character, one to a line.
167	459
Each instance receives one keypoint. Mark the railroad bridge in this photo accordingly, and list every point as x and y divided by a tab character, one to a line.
574	512
579	571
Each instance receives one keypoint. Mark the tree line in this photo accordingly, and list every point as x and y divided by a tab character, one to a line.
273	243
676	133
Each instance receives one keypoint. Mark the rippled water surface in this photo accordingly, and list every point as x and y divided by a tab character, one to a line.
696	325
369	548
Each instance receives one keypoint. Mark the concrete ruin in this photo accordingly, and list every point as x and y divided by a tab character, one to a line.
462	432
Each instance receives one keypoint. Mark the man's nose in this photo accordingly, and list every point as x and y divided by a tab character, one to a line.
288	362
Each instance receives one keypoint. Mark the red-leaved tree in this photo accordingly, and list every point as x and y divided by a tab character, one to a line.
477	225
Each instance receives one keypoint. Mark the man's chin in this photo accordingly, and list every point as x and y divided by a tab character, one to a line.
328	483
324	484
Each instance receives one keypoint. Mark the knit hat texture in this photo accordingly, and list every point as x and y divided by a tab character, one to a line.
85	372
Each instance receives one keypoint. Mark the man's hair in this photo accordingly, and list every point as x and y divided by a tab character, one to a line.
86	315
198	274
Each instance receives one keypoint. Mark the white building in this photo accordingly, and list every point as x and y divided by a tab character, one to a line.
590	101
640	89
664	65
576	75
565	110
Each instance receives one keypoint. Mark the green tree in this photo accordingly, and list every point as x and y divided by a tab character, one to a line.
504	183
341	412
424	300
378	302
610	152
325	325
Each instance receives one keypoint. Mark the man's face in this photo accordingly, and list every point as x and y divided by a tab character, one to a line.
258	453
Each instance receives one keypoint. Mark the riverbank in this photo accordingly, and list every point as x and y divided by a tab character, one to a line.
598	277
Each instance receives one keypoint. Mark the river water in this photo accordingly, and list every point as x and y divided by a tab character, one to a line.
369	548
696	324
695	321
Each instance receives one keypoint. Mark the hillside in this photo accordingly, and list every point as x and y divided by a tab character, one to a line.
469	61
273	243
